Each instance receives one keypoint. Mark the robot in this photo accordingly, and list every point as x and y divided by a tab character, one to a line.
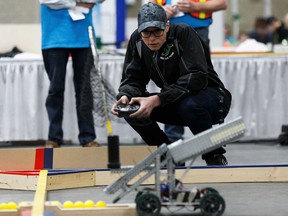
170	192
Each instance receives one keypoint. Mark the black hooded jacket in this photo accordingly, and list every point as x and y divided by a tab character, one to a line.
181	67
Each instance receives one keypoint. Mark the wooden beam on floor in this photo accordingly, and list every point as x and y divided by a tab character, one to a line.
51	208
74	179
64	179
210	174
236	174
109	210
18	181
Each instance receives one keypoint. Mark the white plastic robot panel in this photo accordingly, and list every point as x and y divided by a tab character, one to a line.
206	141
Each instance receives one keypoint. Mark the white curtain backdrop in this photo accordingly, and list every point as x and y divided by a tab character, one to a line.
258	85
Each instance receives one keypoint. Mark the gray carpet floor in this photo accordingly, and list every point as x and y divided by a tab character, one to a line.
242	199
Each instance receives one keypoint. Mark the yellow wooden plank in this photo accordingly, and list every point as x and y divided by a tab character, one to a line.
40	194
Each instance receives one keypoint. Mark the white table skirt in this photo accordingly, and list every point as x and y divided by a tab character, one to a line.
258	86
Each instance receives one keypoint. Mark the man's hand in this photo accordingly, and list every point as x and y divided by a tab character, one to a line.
122	100
99	1
185	6
147	104
85	4
208	6
171	11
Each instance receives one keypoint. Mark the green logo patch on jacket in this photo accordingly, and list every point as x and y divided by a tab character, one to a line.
167	52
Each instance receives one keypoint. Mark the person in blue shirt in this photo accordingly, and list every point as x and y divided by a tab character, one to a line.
64	26
195	13
198	15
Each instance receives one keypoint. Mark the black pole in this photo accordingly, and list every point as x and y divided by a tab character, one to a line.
113	152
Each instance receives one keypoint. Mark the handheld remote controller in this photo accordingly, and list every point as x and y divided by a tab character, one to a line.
125	110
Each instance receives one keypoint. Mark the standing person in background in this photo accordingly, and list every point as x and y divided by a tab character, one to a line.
278	30
64	26
285	20
198	15
228	39
260	32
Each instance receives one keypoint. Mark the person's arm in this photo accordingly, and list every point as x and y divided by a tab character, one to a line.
193	67
189	6
170	10
208	6
58	4
61	4
134	76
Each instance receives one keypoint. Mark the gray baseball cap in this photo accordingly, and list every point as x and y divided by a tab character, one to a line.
151	15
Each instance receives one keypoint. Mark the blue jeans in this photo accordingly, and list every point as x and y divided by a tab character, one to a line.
198	112
55	62
204	35
174	132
